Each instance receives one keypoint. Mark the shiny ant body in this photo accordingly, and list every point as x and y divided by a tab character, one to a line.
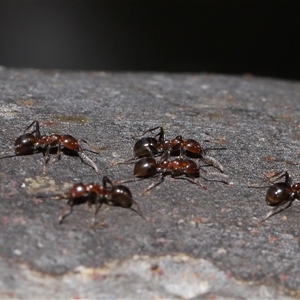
149	146
281	194
34	142
159	145
94	194
147	167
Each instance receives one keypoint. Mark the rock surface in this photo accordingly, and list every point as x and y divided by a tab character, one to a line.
196	243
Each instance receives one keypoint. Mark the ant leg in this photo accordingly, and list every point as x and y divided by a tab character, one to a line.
154	184
212	161
28	127
46	157
161	133
124	162
133	179
217	174
58	154
194	180
275	211
279	175
37	128
106	180
165	155
98	205
64	212
273	179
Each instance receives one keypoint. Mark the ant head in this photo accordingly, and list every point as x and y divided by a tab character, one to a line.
145	167
278	193
193	147
24	144
121	196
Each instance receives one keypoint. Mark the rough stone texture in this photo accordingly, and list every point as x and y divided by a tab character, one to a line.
197	243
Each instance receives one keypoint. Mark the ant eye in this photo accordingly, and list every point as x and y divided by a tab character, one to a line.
24	144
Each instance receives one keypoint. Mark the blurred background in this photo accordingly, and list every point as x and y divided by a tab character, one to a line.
230	37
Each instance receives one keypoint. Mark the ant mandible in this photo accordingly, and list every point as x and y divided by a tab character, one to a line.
151	146
281	194
94	194
28	143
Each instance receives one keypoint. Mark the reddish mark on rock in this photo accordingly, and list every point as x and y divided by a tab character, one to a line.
97	276
156	270
254	231
11	193
283	277
19	220
5	220
37	200
228	274
28	102
272	239
198	220
269	174
162	241
49	123
8	294
13	184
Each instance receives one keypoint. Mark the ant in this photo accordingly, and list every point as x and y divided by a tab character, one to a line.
189	147
148	167
94	194
28	143
281	194
159	145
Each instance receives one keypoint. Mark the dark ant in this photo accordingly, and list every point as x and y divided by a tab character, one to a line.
28	143
94	194
159	145
148	167
281	194
150	146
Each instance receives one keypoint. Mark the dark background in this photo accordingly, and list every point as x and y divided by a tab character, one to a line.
232	37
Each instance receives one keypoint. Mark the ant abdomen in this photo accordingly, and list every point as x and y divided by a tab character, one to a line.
145	167
121	196
278	193
146	146
25	144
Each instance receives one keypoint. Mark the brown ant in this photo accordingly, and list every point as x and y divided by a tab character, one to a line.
28	143
148	167
153	146
94	194
281	194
